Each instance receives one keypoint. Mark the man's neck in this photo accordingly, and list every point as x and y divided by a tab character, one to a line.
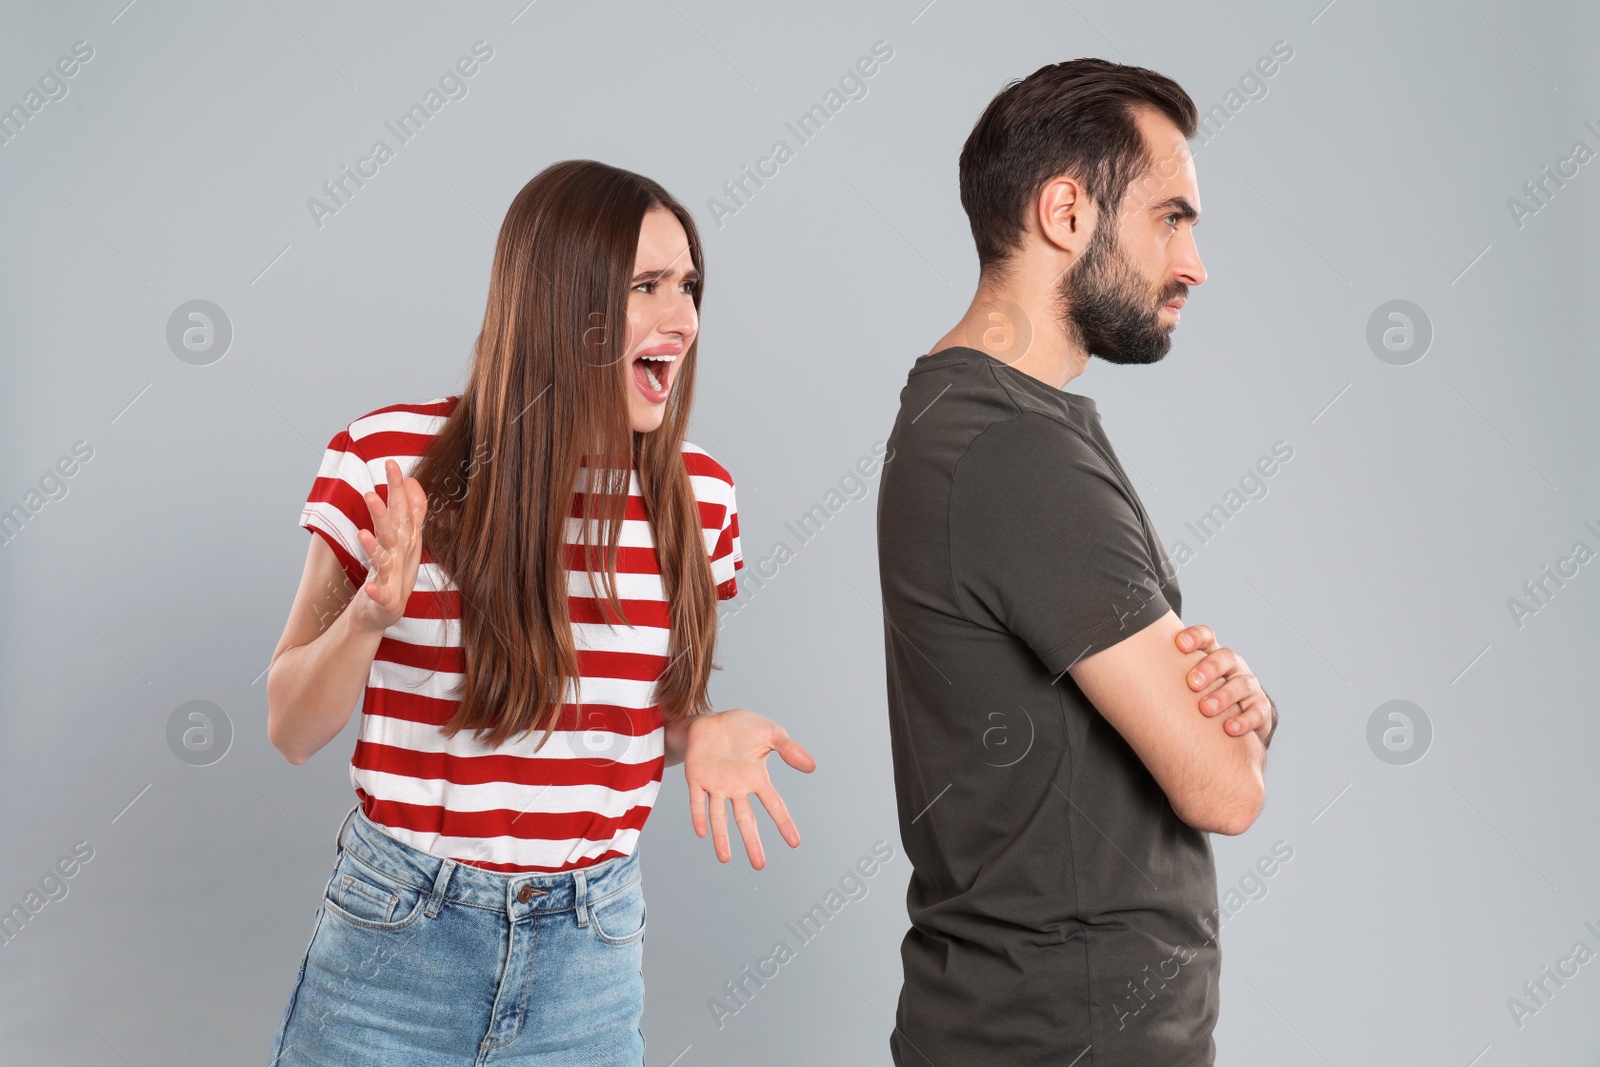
1017	325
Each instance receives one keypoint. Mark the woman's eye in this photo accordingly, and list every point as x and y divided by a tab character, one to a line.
649	288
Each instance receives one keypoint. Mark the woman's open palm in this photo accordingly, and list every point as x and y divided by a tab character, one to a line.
394	545
726	759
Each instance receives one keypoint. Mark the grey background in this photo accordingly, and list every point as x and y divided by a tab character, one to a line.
1419	498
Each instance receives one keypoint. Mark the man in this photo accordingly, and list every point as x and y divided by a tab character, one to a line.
1057	762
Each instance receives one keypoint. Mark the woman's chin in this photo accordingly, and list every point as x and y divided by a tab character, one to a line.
648	419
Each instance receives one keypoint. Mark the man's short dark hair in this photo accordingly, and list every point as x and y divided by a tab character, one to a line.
1072	118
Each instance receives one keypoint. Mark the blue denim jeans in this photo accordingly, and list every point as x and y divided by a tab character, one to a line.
423	961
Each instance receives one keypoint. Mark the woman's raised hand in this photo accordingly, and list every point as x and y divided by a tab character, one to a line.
394	546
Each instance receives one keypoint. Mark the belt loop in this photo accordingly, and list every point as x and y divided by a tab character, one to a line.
580	882
440	882
344	827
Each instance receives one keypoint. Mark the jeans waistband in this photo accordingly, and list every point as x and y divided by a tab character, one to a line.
518	894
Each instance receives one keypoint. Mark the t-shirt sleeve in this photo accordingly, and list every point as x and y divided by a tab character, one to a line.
726	557
335	508
1046	542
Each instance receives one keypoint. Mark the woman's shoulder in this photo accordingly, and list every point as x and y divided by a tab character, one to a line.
395	428
700	464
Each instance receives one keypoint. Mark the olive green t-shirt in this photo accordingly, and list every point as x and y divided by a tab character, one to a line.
1059	907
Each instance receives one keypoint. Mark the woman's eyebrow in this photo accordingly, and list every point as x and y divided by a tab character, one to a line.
693	274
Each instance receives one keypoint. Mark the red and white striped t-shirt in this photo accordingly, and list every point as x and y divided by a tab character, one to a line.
585	796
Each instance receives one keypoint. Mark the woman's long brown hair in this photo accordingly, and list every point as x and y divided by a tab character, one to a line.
547	393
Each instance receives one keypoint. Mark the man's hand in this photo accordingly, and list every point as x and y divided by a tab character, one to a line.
1226	686
725	759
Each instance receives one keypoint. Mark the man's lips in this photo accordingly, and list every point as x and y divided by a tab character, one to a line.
1176	305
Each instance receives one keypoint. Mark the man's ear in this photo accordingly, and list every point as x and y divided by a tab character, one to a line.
1064	215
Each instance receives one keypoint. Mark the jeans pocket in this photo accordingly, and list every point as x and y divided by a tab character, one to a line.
362	895
619	918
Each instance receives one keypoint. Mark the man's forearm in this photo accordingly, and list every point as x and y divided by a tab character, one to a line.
1271	727
1225	793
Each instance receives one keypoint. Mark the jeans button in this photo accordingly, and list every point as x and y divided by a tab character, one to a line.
525	893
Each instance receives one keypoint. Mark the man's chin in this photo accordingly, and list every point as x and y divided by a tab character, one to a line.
1123	358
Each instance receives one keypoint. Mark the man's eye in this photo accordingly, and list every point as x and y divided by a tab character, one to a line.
691	287
646	287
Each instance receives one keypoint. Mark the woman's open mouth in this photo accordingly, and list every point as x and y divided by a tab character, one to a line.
652	376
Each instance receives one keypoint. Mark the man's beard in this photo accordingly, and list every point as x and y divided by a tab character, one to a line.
1107	308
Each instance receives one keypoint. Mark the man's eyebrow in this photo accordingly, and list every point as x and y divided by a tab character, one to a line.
1177	205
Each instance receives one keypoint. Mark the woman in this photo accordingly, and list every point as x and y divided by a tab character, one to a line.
529	599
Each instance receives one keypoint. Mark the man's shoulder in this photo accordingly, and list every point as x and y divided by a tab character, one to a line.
1032	446
965	393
